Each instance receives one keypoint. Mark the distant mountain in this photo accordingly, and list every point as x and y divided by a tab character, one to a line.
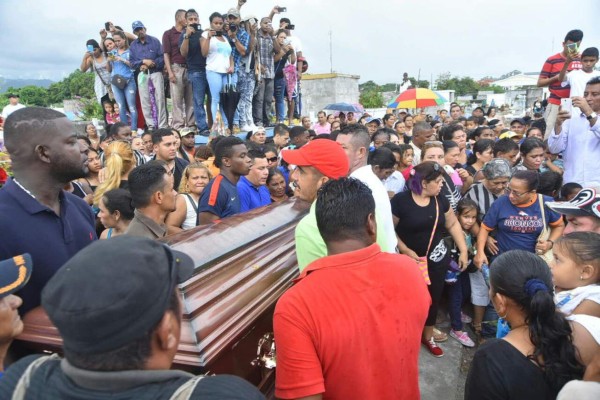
5	83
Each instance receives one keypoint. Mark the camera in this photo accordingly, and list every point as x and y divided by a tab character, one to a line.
232	27
291	27
282	9
107	26
219	33
195	26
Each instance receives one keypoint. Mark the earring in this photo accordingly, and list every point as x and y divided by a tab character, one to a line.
580	277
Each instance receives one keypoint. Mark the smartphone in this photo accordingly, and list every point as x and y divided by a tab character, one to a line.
282	9
90	48
573	48
566	104
107	26
219	33
291	27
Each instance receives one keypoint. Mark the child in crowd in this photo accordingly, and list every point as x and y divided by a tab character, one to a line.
569	190
405	161
576	273
112	116
459	286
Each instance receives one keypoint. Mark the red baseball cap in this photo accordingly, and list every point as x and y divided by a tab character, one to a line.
327	156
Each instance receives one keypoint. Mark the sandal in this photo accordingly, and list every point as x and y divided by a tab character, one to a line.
439	336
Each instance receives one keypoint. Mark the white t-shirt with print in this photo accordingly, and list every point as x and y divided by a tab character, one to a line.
568	300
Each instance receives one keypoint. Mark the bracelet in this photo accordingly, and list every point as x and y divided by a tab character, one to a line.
551	241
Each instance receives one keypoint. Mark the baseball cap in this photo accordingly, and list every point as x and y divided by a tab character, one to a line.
113	292
234	11
376	120
509	135
327	156
137	25
186	131
585	204
14	274
519	120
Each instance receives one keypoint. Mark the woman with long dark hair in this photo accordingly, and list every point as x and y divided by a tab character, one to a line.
537	357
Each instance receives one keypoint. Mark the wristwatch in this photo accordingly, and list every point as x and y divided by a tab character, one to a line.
233	40
592	116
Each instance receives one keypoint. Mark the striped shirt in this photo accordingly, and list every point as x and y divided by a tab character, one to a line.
244	39
482	196
551	68
265	51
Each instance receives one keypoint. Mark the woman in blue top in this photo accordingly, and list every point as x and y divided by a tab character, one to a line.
517	219
119	58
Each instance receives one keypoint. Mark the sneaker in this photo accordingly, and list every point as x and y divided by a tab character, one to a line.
433	348
465	319
462	337
205	132
236	129
451	277
247	128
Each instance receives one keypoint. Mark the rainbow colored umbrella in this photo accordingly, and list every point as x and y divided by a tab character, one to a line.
417	98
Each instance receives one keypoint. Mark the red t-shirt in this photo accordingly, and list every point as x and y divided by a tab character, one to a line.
350	328
551	68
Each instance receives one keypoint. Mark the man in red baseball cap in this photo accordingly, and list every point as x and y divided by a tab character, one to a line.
315	163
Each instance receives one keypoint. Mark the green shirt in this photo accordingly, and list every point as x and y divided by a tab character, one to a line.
310	246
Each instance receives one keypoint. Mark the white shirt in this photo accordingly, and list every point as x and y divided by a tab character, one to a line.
219	52
395	182
417	154
568	300
9	109
383	207
577	79
580	145
296	43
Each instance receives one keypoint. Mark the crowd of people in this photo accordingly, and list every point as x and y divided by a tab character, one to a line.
136	72
407	213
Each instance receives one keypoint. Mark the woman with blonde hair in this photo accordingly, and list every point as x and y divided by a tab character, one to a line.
119	160
195	178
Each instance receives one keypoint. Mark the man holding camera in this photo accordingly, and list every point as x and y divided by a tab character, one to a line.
189	46
176	66
267	48
146	56
239	39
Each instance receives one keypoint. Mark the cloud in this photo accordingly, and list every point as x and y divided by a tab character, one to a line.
376	39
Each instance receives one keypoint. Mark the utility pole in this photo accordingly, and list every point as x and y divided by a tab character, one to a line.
331	49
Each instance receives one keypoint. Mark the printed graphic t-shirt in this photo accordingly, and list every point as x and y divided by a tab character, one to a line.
518	227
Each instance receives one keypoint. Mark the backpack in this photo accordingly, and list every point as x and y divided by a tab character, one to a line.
182	393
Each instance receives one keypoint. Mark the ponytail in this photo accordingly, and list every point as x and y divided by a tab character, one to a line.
119	160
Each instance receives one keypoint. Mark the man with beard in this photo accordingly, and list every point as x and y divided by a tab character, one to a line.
36	215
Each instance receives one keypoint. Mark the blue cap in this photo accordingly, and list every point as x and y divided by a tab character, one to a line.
377	120
14	274
137	25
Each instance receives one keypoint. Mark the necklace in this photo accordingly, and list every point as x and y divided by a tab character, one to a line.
21	186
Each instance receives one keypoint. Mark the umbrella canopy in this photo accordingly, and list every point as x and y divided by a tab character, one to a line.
230	98
345	107
417	98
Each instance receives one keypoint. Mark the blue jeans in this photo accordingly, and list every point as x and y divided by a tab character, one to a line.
199	86
457	292
245	85
280	99
216	81
125	98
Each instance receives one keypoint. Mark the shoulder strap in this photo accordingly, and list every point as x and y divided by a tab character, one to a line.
98	73
437	217
25	379
541	199
192	201
214	191
184	392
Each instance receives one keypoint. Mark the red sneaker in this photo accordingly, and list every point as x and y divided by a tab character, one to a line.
433	348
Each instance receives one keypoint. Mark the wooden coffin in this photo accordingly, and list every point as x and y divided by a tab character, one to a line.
243	265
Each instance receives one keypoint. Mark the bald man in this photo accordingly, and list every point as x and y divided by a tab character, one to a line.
36	215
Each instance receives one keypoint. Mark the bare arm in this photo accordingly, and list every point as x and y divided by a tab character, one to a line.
588	307
176	218
205	44
86	62
454	228
404	249
206	218
480	257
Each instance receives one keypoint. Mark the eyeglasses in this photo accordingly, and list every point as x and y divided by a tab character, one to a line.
516	194
272	159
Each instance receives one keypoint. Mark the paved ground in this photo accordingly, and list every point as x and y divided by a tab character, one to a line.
444	378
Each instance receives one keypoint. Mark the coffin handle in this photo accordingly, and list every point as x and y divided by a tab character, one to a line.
265	353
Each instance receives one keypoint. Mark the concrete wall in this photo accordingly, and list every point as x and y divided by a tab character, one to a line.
318	90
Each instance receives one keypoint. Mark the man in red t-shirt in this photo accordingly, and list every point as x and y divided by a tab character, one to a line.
550	76
350	327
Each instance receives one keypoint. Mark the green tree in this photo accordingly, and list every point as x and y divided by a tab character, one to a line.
34	96
371	99
369	86
462	85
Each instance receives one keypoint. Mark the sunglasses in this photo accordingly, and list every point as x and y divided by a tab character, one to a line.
272	159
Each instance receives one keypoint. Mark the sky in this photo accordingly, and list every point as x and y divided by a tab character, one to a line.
376	39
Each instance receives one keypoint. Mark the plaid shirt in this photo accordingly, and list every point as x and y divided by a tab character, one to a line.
244	39
265	50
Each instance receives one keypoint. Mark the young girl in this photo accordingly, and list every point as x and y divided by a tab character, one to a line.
111	115
458	281
576	273
405	161
195	178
